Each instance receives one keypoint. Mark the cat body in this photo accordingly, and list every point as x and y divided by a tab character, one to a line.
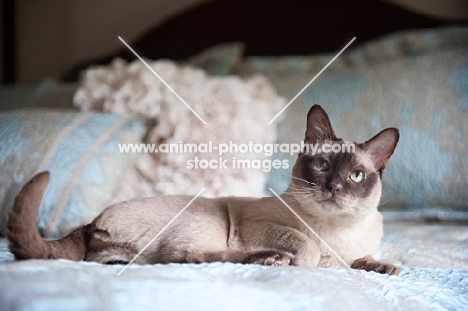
223	225
336	194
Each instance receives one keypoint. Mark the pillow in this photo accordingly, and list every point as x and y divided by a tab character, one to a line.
235	110
218	60
425	96
81	152
46	94
408	43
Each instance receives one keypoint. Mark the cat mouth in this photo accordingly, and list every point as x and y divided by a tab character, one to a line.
331	200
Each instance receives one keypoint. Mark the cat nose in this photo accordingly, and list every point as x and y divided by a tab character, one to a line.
334	187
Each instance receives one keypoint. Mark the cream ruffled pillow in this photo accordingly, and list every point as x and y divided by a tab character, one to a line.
234	109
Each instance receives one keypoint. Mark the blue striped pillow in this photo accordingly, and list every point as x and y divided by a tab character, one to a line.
81	152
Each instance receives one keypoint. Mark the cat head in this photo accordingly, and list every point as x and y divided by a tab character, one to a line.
334	176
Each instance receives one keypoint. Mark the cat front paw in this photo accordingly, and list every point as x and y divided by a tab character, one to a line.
270	258
370	264
326	261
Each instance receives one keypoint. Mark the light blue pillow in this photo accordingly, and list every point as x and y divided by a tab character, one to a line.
424	95
81	152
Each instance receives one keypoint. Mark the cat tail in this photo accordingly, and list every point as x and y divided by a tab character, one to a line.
23	233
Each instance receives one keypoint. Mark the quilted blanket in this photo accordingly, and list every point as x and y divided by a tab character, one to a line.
434	276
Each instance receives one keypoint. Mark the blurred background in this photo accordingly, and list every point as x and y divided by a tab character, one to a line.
49	38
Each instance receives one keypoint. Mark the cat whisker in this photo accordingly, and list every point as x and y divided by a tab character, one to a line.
294	200
306	181
314	187
304	198
304	190
307	189
383	196
299	193
301	186
294	177
383	203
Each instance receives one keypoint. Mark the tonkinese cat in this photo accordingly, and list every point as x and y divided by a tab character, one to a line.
337	195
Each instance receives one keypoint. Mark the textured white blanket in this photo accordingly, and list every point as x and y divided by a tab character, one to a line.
434	276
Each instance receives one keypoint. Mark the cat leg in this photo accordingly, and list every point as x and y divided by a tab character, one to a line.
370	264
117	262
102	251
302	249
267	258
270	258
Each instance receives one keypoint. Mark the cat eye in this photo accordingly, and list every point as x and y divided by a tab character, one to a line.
320	165
357	176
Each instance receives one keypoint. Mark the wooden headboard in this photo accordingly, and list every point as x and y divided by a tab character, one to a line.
270	27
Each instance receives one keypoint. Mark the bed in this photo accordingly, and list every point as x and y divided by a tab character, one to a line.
434	276
413	79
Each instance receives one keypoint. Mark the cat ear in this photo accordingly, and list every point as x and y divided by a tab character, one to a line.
318	126
381	147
